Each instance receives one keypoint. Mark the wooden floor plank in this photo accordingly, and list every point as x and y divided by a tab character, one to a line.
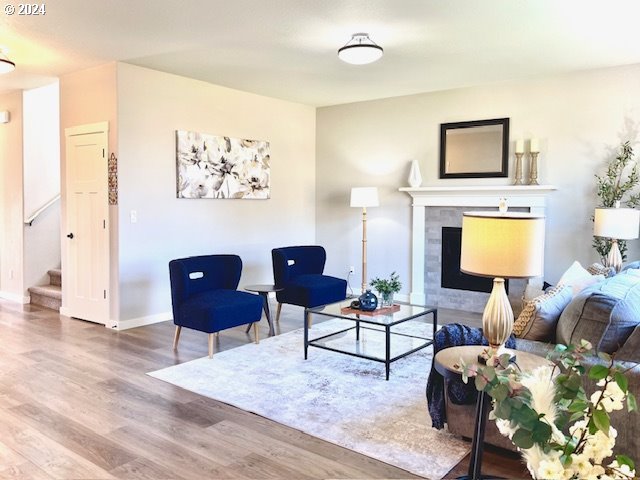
257	466
171	455
291	456
143	469
45	453
22	471
74	436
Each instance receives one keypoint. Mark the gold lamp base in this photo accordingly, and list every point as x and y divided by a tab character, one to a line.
497	319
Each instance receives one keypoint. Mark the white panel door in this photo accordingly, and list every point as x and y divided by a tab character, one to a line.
87	275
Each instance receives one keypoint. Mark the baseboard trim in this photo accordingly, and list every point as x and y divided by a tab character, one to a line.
142	321
14	297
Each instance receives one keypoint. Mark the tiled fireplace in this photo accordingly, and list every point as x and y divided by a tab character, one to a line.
438	207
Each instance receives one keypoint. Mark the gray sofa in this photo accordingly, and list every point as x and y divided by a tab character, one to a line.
608	315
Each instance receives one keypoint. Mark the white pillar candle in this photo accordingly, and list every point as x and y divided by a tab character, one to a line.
534	145
520	145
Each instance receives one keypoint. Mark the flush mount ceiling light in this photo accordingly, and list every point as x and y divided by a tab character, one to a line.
360	50
6	65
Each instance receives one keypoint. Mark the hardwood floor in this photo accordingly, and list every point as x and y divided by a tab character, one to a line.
76	403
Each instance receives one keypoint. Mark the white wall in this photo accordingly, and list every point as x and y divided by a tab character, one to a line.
151	107
41	144
11	234
41	176
580	120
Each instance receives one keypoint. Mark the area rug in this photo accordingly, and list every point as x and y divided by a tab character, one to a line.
338	398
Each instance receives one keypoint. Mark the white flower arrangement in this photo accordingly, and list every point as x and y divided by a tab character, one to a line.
560	432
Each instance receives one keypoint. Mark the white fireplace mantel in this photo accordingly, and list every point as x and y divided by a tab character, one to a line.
527	196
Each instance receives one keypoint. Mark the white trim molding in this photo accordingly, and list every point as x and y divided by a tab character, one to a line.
15	297
98	127
533	197
142	321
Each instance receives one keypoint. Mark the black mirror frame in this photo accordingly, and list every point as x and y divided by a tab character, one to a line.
504	172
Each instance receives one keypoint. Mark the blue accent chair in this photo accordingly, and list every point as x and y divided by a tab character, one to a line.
298	272
204	296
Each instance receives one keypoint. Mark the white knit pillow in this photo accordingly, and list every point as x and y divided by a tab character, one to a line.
578	278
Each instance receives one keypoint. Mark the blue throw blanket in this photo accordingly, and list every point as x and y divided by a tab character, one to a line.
453	335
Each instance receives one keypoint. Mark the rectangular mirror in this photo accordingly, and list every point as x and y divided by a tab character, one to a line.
475	149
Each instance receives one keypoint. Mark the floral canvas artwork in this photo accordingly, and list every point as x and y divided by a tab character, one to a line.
211	166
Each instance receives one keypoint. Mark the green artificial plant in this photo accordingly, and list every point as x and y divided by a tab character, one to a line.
619	184
387	287
384	286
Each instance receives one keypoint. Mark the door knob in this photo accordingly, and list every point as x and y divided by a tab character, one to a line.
70	235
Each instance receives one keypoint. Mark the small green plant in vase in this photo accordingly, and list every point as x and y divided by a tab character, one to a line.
387	287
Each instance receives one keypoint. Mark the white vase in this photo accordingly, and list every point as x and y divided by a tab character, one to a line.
415	178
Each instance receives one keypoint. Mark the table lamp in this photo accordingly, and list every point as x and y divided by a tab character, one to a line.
364	197
501	245
617	224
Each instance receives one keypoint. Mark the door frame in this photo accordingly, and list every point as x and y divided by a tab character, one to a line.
90	128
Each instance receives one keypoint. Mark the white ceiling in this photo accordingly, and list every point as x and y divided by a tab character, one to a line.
287	48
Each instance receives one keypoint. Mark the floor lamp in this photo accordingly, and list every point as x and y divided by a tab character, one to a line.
501	245
617	224
364	197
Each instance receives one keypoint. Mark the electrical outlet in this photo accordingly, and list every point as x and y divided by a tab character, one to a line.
352	269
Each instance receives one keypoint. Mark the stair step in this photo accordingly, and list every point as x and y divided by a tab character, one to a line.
55	277
49	296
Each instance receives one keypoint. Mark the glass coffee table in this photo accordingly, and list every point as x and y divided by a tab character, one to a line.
373	329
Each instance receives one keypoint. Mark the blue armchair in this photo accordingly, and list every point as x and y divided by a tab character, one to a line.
204	296
298	272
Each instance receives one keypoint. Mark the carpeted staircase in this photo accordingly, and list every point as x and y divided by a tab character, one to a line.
49	296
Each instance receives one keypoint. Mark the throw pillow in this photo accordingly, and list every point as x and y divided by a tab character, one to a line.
538	319
604	314
530	292
599	269
578	278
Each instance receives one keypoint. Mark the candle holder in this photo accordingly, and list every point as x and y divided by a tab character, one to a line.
533	171
518	179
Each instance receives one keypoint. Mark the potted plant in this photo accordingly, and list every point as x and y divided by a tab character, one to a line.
562	432
387	287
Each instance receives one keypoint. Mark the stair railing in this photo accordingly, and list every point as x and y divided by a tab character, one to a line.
34	215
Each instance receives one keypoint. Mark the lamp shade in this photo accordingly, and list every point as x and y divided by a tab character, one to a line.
364	197
618	223
505	245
